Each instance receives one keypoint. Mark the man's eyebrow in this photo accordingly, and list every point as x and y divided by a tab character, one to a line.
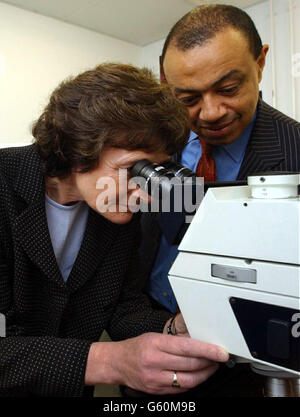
231	74
178	91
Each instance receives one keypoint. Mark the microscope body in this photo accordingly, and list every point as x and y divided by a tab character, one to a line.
237	275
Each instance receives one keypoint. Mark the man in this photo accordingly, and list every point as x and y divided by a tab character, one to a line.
68	244
213	60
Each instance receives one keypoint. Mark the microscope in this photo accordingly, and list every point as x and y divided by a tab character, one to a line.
237	275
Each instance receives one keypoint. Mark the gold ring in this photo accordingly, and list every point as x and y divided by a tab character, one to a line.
175	383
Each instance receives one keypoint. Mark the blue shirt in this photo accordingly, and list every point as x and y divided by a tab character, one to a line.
228	159
66	226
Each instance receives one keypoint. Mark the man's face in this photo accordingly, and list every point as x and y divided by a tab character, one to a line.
218	83
108	190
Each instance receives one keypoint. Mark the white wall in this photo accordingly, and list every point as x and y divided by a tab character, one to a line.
260	14
36	53
278	24
296	58
151	54
281	80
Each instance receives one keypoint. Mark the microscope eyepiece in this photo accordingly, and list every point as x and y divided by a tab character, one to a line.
148	169
160	174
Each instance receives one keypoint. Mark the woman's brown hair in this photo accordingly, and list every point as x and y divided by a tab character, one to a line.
115	105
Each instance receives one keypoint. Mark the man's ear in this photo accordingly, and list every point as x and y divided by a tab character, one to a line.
261	60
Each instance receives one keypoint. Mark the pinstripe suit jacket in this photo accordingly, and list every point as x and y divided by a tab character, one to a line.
51	324
274	145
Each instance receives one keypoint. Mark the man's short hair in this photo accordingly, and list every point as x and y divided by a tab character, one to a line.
115	105
204	22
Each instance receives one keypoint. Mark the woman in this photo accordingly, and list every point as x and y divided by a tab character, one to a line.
68	265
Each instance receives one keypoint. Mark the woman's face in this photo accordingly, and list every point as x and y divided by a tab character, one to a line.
108	189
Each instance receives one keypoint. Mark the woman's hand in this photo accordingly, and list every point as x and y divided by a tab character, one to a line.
148	362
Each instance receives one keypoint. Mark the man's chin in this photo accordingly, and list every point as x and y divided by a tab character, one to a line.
220	137
220	141
217	140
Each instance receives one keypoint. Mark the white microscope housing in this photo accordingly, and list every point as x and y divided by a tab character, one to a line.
237	275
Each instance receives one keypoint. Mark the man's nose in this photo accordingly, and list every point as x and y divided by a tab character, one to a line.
212	109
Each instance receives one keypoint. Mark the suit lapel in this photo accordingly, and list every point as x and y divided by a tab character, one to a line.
264	151
30	226
31	230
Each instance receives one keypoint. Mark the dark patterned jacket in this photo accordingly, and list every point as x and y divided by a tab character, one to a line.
51	324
